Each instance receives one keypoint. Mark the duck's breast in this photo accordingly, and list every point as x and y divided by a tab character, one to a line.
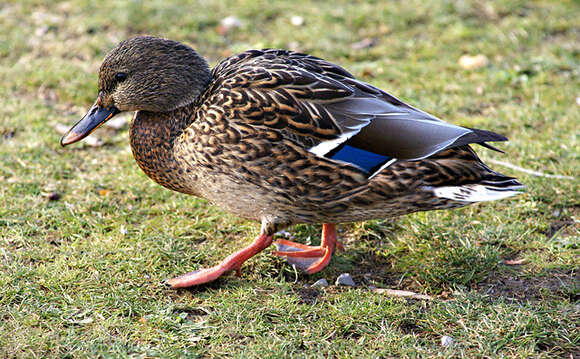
153	138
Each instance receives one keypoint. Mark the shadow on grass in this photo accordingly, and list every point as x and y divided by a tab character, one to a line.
438	270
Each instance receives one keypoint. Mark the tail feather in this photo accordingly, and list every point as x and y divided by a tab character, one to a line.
480	137
477	192
490	185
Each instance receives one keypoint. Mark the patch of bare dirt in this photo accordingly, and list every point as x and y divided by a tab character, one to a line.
566	222
307	295
554	283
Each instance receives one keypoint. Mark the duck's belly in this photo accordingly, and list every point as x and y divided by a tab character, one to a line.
242	199
250	201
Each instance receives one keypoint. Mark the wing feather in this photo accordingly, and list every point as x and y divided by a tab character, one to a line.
326	109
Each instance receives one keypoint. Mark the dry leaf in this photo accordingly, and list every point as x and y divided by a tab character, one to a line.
104	192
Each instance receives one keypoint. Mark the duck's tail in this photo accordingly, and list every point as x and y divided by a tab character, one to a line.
456	176
476	182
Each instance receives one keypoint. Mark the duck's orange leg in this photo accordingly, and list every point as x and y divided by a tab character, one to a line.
233	262
310	259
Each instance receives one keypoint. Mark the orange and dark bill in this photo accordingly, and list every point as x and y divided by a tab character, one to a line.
96	116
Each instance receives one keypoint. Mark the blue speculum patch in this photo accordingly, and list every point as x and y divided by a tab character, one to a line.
367	161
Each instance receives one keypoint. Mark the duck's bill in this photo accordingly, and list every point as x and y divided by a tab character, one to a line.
96	116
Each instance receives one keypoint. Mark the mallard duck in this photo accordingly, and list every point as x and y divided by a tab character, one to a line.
283	138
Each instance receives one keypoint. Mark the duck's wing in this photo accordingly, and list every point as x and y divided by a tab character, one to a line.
331	113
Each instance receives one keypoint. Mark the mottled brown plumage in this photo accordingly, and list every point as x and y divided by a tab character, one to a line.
259	135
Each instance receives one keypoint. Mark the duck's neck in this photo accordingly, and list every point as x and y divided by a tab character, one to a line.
153	137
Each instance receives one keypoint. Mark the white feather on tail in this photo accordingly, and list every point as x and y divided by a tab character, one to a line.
476	192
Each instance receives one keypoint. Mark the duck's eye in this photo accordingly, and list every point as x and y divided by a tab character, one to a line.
120	76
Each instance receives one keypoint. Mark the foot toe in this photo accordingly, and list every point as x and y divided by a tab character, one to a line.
302	263
284	247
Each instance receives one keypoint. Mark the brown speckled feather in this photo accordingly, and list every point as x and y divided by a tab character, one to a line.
243	146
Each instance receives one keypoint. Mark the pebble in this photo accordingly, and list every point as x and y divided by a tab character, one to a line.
297	20
320	283
93	141
227	24
231	22
446	341
345	279
469	62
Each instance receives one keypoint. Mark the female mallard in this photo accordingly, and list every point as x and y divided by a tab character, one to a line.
285	138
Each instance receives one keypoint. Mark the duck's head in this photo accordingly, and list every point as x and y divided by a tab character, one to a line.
143	74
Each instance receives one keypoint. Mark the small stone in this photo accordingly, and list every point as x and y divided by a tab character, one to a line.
345	279
297	20
227	24
93	141
556	212
320	283
231	22
469	62
446	341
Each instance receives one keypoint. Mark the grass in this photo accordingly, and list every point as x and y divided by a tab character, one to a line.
80	274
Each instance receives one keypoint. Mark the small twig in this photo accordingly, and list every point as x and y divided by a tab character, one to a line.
514	262
402	293
525	170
